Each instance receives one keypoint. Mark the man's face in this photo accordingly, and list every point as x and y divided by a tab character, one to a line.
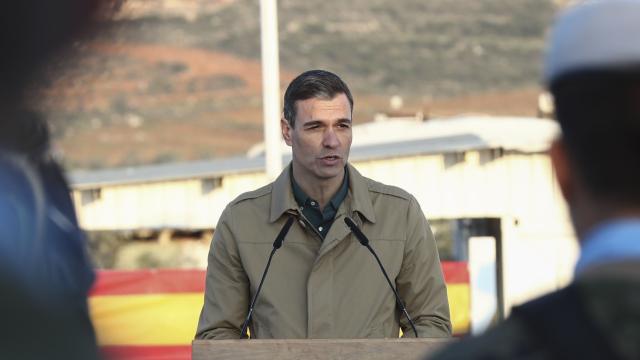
320	138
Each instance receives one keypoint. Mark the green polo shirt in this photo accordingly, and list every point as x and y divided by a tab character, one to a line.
321	220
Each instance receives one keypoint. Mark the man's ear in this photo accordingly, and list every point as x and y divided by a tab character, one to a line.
561	166
286	130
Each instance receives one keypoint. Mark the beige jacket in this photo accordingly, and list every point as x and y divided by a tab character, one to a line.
324	289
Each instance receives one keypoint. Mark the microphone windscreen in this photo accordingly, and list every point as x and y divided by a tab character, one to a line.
285	229
356	231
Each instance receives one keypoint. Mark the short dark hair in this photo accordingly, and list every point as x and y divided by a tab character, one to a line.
319	84
599	113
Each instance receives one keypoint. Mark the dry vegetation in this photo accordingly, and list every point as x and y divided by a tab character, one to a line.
180	80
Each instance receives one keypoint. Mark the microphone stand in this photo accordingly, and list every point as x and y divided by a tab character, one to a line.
365	242
276	245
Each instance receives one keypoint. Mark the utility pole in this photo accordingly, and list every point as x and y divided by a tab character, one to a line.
270	86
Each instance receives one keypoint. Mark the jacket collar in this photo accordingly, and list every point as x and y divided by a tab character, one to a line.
360	201
282	199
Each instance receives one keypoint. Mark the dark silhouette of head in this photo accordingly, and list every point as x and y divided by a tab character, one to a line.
31	31
593	72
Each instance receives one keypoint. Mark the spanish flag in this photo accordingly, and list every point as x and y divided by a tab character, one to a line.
153	314
147	314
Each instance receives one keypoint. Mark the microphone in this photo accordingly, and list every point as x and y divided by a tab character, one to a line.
277	243
365	242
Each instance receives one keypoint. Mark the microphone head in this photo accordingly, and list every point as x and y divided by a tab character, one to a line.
350	223
356	231
285	229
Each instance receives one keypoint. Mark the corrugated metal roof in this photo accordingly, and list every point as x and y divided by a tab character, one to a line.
509	133
164	172
444	144
378	140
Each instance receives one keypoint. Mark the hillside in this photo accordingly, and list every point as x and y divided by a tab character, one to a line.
171	80
435	47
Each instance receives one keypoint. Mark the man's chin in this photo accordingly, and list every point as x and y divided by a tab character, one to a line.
332	172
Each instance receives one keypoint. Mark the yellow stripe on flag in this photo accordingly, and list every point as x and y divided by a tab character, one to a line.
171	319
459	304
160	319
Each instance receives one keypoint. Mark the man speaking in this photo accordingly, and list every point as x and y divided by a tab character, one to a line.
322	282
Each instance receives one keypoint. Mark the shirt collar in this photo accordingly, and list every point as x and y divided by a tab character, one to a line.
302	198
283	200
339	197
298	194
613	241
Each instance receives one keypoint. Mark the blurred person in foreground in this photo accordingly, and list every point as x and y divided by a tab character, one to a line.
323	283
593	71
45	273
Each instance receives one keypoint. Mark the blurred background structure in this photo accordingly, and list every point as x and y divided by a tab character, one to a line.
160	125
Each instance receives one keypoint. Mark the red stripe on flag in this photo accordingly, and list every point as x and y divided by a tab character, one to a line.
159	352
160	281
152	281
455	272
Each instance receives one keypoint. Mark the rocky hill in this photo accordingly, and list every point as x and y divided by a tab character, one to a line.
436	47
180	79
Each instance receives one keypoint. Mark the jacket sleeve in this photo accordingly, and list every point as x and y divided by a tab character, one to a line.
420	282
226	297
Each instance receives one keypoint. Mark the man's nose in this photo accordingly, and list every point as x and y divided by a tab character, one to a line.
330	139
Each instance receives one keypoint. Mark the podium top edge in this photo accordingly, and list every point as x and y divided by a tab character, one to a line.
326	341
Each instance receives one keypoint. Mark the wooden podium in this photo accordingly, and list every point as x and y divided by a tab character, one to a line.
316	349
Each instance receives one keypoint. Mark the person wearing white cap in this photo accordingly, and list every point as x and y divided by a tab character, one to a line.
592	69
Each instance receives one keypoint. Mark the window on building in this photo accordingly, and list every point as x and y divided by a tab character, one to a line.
453	159
210	184
90	195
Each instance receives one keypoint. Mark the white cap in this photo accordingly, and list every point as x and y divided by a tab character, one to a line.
599	34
